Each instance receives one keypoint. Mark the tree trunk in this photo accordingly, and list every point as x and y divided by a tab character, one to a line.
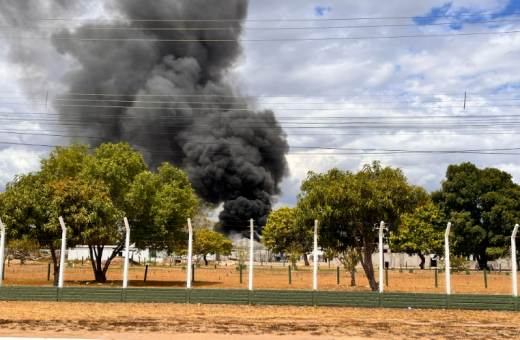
56	267
482	259
96	255
366	262
353	277
423	259
306	259
205	260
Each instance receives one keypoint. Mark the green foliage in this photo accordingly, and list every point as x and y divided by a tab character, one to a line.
349	207
457	264
330	253
207	242
349	258
282	234
88	212
242	254
482	204
496	253
93	192
25	245
422	231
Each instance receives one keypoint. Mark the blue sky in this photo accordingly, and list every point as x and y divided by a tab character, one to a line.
319	11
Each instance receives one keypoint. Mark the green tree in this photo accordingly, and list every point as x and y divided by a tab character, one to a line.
88	214
282	234
482	205
349	258
31	207
350	206
93	192
421	233
208	242
25	245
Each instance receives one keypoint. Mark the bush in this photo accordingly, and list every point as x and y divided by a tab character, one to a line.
457	264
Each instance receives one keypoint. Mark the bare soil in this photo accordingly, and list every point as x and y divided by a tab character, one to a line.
230	322
265	277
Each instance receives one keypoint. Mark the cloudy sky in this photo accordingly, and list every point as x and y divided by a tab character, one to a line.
382	83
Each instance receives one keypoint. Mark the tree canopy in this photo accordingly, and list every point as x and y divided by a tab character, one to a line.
421	233
93	192
283	234
350	206
483	205
208	242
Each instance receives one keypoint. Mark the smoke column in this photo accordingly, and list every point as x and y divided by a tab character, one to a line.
232	154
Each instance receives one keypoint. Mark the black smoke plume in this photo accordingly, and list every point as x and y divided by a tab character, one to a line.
184	105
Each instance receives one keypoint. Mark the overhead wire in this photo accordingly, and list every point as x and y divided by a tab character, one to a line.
258	40
268	96
248	109
267	20
365	153
249	103
255	28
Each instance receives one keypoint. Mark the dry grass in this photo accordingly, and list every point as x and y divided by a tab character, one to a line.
270	320
226	277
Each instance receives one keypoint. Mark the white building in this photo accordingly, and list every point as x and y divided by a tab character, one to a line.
83	253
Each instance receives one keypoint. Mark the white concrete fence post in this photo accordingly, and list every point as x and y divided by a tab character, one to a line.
62	255
447	257
315	274
251	258
2	246
190	250
513	260
381	264
127	250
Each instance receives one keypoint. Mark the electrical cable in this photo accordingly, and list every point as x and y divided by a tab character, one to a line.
254	28
247	103
247	109
257	40
267	20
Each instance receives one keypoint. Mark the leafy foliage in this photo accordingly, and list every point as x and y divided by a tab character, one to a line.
93	192
207	242
457	264
350	206
422	232
482	204
282	234
349	258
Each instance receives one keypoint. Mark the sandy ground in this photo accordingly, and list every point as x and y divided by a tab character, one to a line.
195	321
265	277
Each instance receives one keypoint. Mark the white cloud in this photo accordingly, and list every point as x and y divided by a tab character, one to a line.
478	63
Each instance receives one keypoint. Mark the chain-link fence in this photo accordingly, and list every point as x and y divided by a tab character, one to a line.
476	273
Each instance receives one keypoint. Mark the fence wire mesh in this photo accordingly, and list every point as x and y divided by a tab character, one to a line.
401	272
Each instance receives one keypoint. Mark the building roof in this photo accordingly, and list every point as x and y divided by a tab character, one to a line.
245	242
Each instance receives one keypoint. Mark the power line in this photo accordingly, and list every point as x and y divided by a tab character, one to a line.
264	20
257	40
308	134
248	103
247	109
253	28
268	96
183	143
365	153
274	118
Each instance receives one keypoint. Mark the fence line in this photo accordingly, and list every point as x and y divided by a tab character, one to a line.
261	274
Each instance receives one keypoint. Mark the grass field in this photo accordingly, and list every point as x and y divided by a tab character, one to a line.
265	277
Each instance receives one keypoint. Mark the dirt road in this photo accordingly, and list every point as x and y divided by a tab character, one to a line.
233	322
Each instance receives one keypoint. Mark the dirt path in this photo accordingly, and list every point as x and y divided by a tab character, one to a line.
230	322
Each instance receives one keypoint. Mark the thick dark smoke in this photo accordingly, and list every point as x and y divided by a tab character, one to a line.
232	154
